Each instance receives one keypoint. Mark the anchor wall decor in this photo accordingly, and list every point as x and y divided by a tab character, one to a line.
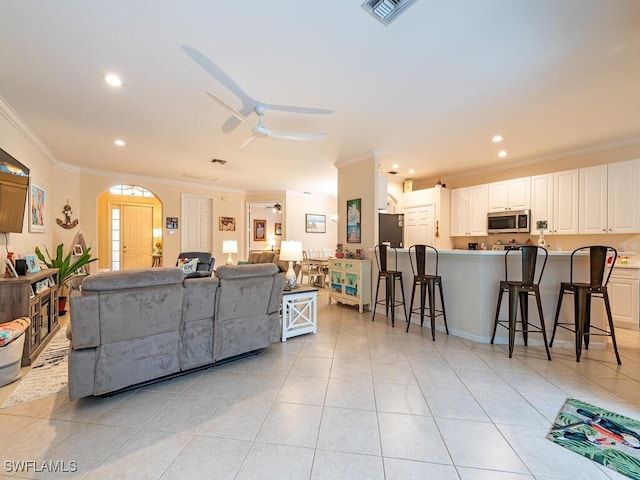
67	223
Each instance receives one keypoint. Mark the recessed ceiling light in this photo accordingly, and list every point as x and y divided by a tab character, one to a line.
502	153
119	143
395	165
113	80
412	171
496	139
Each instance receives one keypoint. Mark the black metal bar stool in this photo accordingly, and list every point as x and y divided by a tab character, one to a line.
521	290
582	295
427	281
390	277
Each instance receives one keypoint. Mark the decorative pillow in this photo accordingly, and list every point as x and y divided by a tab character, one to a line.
188	265
11	330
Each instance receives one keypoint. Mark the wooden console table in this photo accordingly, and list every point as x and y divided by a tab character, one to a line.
34	295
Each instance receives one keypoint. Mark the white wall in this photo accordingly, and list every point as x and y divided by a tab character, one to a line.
297	206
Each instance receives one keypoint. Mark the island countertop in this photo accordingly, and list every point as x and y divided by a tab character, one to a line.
470	280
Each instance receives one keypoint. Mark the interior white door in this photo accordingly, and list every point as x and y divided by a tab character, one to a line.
197	231
137	236
419	225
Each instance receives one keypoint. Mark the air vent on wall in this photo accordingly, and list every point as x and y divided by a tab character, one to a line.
217	160
385	11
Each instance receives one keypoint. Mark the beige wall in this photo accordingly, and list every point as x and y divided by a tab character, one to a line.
297	206
19	141
359	180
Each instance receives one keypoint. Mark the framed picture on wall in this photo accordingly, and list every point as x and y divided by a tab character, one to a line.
278	229
354	209
315	223
227	224
259	230
37	204
172	223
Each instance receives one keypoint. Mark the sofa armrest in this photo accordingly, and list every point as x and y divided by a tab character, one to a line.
85	323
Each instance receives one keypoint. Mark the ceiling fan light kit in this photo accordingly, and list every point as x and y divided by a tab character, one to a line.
259	130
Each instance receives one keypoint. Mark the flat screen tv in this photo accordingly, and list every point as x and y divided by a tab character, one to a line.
14	186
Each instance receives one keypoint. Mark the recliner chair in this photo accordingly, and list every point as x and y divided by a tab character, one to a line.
204	268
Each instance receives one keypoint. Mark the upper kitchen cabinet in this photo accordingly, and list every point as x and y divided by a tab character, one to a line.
469	211
623	196
512	194
609	198
542	201
565	202
593	199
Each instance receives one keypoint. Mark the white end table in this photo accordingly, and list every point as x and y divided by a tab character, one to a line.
299	311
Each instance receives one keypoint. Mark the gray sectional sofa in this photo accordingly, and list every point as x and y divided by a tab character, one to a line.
135	326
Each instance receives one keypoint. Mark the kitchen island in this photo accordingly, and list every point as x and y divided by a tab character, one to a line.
470	280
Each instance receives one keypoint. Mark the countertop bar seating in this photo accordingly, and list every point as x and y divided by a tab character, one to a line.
521	290
582	295
418	256
390	277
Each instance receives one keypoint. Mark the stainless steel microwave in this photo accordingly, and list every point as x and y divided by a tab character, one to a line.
515	221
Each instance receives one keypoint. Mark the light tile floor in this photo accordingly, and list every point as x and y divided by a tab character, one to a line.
358	400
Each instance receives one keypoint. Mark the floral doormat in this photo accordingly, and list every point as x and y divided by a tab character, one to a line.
606	437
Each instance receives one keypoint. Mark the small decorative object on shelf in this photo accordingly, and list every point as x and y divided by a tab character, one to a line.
541	225
339	252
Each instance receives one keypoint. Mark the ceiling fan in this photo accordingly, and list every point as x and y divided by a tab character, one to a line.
248	104
259	130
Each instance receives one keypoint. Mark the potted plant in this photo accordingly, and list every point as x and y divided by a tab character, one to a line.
67	268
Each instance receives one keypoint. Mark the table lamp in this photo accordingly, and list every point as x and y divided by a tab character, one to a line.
291	251
157	235
229	246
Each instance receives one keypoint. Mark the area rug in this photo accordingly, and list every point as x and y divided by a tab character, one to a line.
606	437
48	374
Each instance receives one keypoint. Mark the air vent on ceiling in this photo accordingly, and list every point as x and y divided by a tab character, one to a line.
392	172
386	11
217	160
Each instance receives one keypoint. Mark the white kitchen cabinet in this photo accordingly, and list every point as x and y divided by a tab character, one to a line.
350	281
514	194
609	198
565	202
542	201
623	197
469	211
624	295
593	200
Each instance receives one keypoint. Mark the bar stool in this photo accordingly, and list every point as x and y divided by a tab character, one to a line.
582	295
390	277
521	290
427	282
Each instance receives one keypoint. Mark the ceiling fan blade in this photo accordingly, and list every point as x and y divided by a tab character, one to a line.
216	72
246	143
304	136
234	112
287	108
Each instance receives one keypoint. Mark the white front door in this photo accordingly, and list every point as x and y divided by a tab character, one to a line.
137	236
197	222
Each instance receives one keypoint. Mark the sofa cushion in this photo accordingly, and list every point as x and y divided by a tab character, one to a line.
254	257
135	278
282	265
266	257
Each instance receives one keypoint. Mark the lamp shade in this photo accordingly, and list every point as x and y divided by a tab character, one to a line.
229	246
291	251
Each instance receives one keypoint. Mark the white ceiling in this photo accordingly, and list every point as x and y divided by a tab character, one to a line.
428	92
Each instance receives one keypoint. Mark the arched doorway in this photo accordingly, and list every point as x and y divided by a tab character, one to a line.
129	228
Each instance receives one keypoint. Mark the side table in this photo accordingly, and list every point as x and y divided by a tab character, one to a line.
299	311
